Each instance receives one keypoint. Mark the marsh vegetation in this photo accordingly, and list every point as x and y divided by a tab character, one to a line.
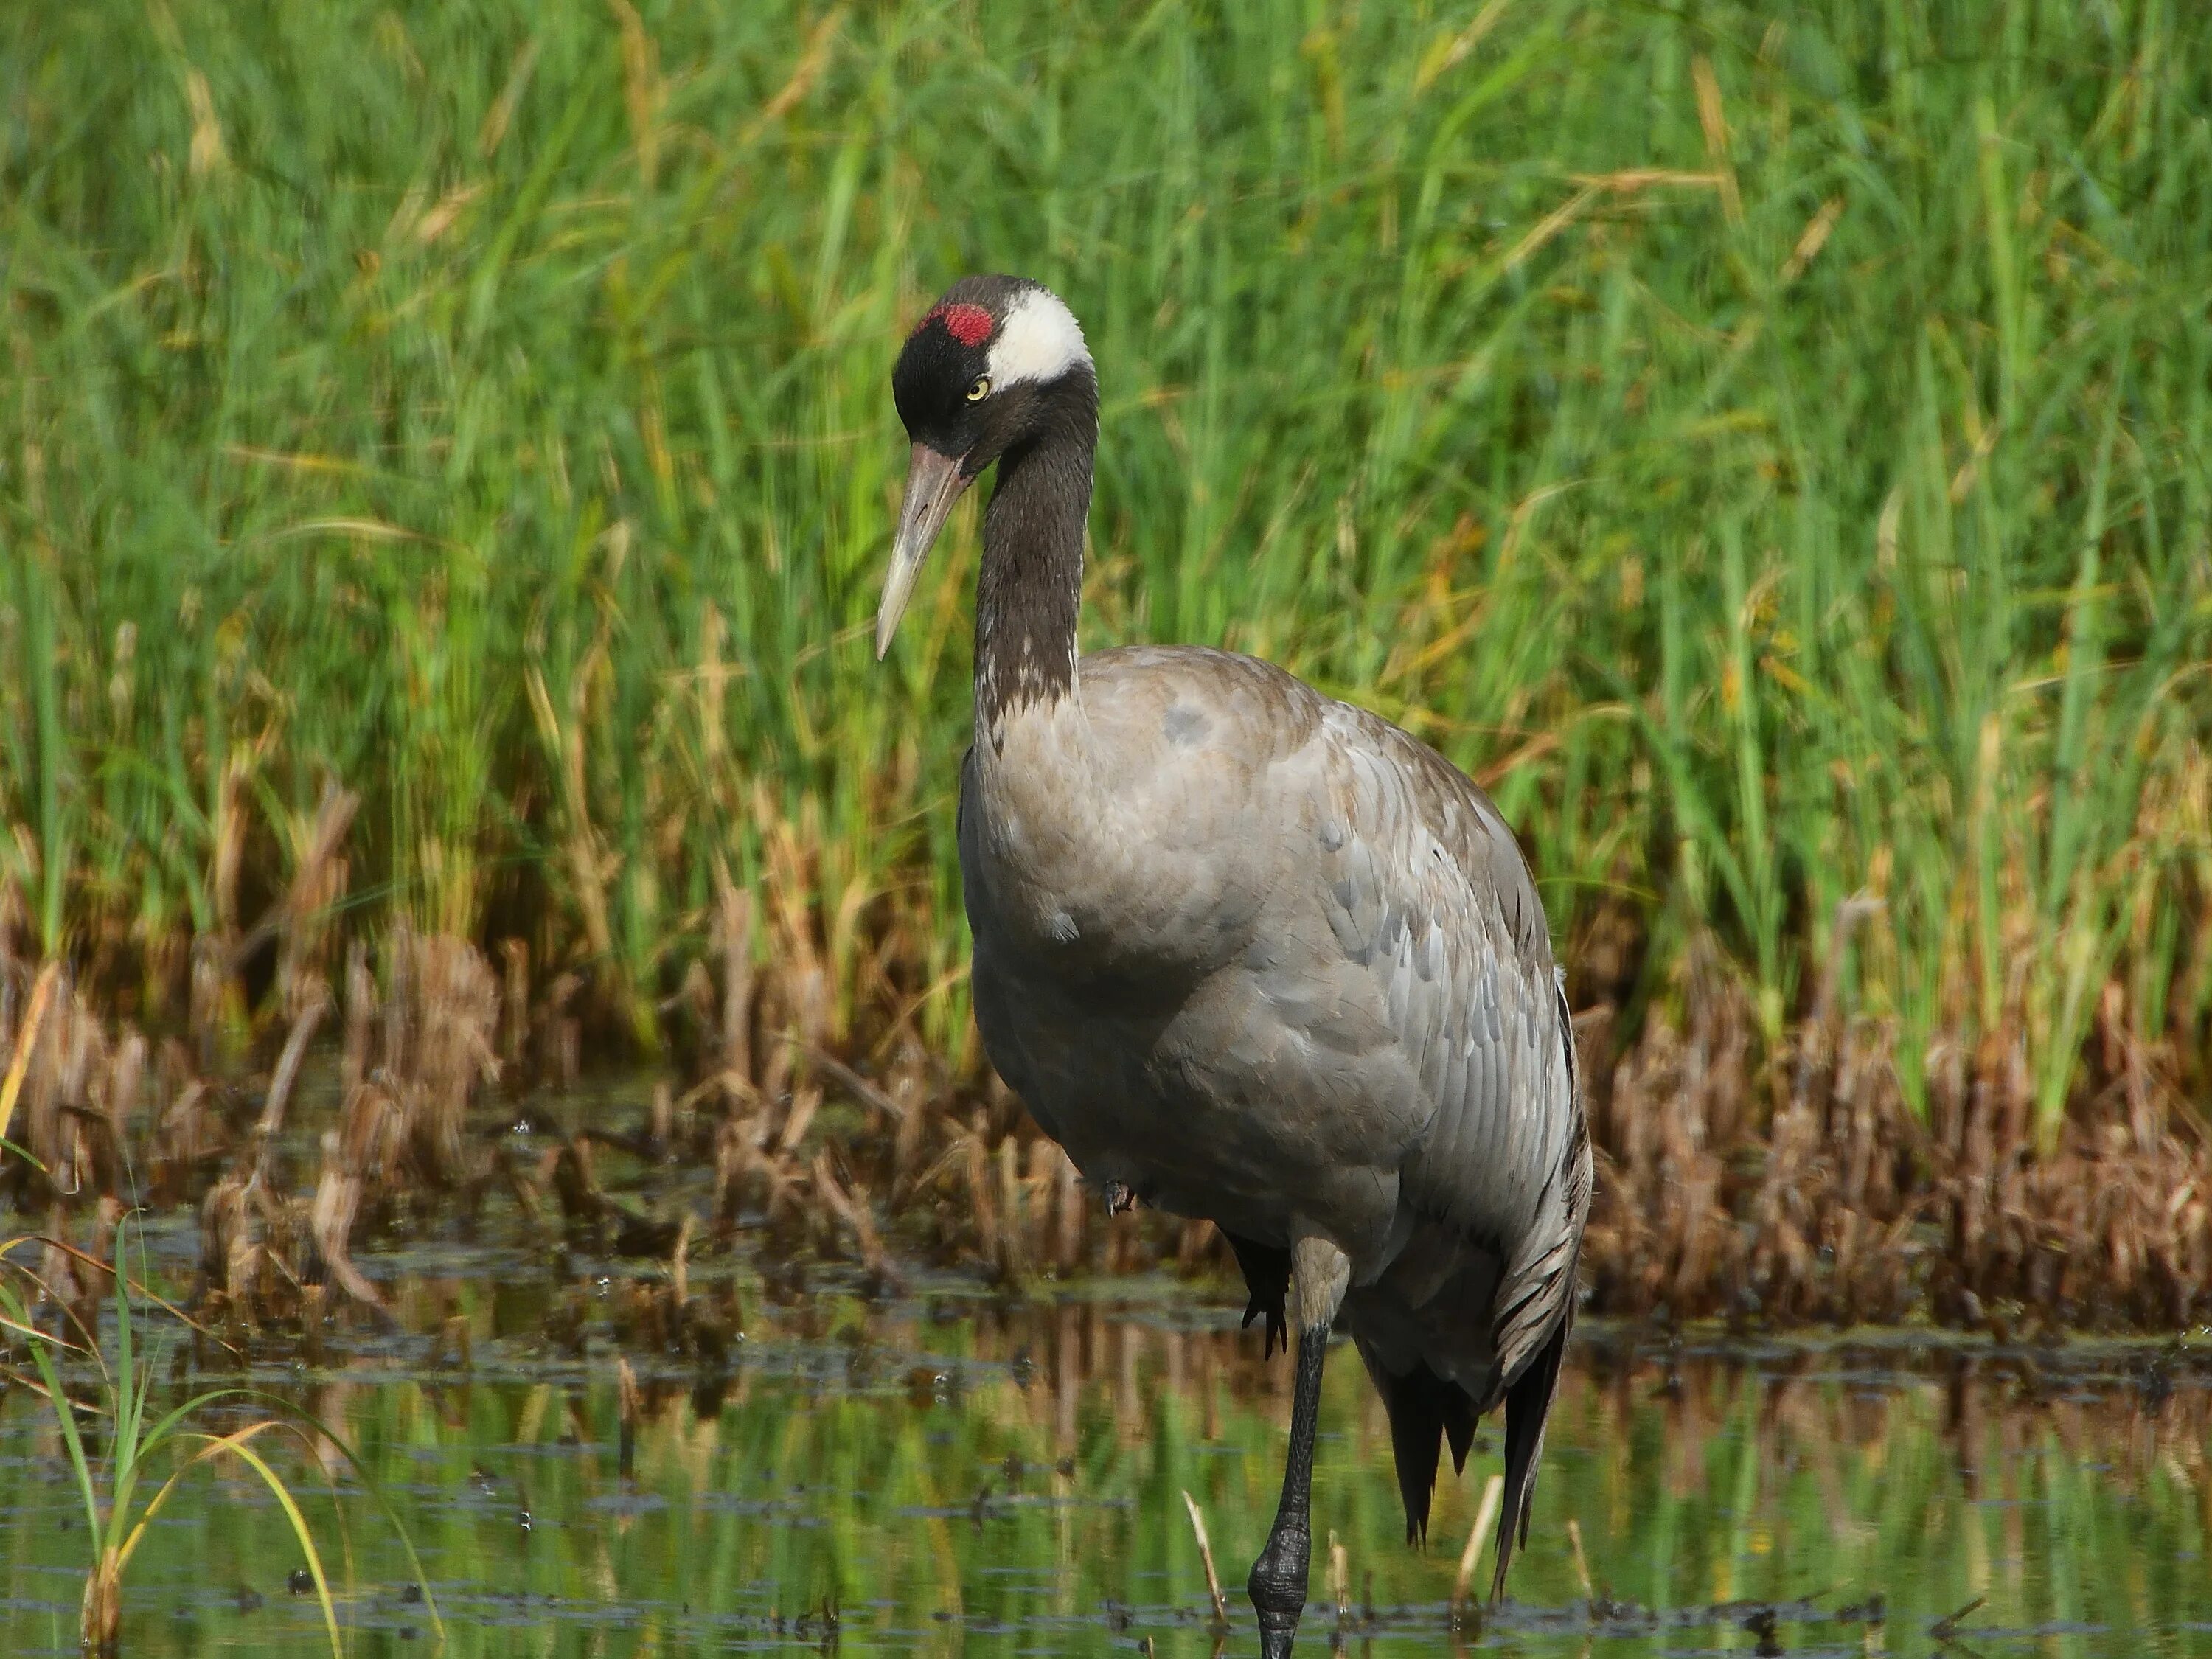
444	472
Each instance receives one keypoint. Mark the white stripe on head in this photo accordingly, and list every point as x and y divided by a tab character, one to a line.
1039	340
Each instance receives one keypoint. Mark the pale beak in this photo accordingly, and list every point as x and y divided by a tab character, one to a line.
933	482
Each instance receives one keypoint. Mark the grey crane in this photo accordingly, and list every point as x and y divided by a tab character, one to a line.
1250	955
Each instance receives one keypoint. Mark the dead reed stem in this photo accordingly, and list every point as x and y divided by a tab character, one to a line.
1582	1562
26	1039
626	1414
1205	1559
733	914
1486	1515
288	1072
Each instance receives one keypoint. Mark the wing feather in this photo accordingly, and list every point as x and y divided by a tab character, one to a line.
1505	1155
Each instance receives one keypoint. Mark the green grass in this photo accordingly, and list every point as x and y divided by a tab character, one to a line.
1771	449
115	1472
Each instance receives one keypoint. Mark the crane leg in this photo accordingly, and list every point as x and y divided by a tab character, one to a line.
1278	1584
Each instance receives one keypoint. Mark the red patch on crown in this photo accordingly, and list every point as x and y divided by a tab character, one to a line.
969	324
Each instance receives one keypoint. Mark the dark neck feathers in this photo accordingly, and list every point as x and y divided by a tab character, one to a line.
1030	591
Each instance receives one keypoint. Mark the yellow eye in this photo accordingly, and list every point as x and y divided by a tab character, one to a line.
980	390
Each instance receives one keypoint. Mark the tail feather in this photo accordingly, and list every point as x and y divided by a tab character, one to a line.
1424	1410
1459	1427
1416	1437
1528	1403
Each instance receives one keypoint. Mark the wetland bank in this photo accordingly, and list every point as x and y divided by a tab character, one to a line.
465	893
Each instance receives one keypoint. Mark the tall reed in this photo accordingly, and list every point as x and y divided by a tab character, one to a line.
1769	450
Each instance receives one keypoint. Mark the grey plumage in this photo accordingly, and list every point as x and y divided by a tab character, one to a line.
1293	970
1254	954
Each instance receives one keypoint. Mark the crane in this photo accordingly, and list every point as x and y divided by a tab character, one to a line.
1251	954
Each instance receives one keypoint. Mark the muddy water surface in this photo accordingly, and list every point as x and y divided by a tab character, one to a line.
955	1471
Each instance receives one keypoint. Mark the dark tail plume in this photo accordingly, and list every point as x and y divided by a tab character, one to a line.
1424	1410
1528	1403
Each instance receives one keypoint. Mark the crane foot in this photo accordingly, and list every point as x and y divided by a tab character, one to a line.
1278	1588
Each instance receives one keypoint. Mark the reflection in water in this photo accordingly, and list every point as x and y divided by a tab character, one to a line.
949	1475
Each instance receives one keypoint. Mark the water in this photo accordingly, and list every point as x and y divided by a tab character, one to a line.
957	1473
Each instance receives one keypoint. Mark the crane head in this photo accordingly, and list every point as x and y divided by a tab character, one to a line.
995	362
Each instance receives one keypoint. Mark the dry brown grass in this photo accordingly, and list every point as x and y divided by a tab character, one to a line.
1806	1188
1783	1185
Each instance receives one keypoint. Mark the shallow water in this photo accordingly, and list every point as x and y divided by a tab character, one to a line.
955	1472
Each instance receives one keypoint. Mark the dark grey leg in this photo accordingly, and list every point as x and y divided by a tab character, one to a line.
1278	1584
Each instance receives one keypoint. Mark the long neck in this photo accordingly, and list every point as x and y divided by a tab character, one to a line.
1030	591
